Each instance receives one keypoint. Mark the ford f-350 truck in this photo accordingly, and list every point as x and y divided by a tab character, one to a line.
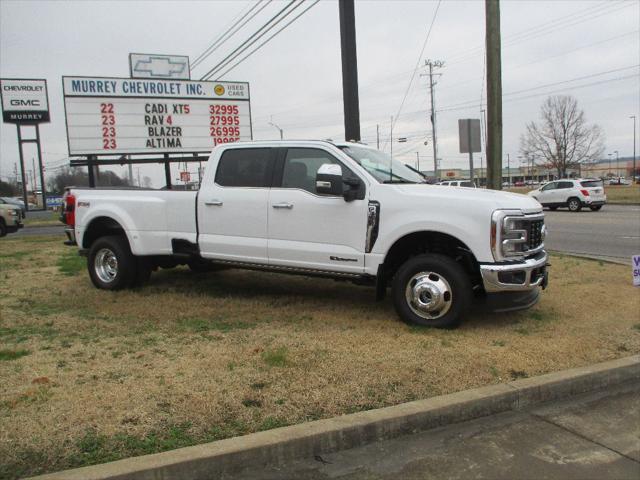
338	210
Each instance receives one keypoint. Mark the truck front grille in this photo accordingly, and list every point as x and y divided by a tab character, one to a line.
535	236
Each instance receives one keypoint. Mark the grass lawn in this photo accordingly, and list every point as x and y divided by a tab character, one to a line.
52	219
90	376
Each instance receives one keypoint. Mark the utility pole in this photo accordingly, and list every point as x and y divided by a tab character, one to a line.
633	172
617	163
431	64
509	170
418	161
378	136
350	99
494	94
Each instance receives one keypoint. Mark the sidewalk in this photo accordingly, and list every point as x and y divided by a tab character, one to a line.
592	436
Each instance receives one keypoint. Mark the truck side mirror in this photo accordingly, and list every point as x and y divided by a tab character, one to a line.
329	180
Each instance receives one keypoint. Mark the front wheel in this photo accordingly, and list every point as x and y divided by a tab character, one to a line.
111	264
595	208
574	204
431	290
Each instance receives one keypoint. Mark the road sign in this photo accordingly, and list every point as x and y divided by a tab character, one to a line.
115	116
635	266
469	134
145	65
24	101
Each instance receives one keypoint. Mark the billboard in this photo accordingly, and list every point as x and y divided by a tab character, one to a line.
116	116
24	101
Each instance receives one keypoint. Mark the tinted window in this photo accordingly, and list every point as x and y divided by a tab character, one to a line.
591	183
301	166
467	184
245	167
550	186
565	184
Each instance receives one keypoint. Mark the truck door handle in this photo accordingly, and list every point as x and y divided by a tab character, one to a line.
214	202
283	205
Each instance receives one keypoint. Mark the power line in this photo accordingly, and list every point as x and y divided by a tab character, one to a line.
278	17
268	39
228	33
575	79
413	73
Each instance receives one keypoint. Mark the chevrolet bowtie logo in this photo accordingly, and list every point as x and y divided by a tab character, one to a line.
161	67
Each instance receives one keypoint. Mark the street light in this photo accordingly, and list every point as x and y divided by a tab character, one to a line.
274	125
617	164
609	174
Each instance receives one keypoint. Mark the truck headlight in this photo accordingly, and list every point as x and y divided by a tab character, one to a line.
14	213
508	234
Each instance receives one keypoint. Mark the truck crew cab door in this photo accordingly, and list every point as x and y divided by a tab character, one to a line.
312	231
232	206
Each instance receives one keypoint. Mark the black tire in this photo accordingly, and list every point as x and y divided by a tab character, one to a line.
104	272
595	208
574	204
3	228
438	270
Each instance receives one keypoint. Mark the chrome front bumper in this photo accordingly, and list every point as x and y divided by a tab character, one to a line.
526	275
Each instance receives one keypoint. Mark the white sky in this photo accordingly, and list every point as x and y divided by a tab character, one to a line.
297	76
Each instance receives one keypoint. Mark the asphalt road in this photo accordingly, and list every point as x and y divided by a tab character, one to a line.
592	436
612	232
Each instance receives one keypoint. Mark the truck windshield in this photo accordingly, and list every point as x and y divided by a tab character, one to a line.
378	164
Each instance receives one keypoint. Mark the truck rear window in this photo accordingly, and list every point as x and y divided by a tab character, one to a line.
245	167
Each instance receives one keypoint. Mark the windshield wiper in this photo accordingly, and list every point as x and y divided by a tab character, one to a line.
398	181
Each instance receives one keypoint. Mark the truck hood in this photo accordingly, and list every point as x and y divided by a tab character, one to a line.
490	199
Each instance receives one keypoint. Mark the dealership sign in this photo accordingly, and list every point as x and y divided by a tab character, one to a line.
145	65
24	101
127	116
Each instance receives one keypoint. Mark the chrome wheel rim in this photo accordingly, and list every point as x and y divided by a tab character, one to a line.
105	265
573	205
429	295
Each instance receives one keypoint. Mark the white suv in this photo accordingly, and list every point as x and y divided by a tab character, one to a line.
571	193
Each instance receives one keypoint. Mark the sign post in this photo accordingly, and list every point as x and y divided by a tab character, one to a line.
469	139
26	102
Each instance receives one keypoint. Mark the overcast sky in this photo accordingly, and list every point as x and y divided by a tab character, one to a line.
589	49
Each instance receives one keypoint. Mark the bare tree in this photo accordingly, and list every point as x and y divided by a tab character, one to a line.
562	139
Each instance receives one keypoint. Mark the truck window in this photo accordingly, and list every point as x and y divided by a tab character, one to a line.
245	167
301	166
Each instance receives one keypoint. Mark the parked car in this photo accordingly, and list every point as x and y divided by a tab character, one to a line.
618	181
15	203
458	183
571	193
323	209
10	220
519	183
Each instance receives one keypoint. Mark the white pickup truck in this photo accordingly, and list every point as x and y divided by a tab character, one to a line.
338	210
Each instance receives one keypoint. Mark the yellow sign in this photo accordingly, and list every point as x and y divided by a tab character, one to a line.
219	89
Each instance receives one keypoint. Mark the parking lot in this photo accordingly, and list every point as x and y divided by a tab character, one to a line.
91	376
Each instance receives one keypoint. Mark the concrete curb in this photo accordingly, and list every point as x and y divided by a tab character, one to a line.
280	445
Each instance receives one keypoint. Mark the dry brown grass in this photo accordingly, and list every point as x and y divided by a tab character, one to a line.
192	358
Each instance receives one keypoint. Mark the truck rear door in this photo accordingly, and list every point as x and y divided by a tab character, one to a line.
232	207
